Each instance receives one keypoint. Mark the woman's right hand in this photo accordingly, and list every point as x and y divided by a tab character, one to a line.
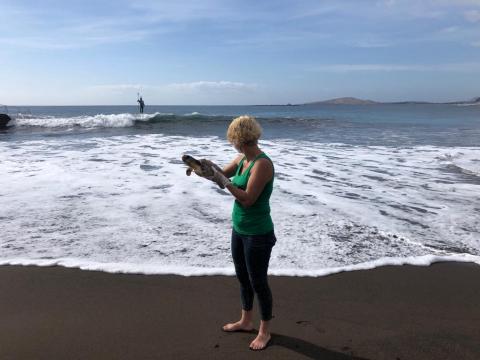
217	172
220	179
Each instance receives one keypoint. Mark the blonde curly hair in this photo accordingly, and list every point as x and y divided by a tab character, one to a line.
244	130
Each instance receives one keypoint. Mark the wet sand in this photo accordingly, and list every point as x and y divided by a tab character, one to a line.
403	312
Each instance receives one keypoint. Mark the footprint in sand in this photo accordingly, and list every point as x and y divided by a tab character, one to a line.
303	322
308	323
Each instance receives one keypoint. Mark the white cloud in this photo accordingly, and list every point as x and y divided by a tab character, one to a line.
279	38
37	43
372	42
204	87
74	39
455	67
119	87
309	10
46	28
49	28
429	9
364	67
449	30
387	3
187	86
196	92
472	15
458	2
212	86
183	10
454	34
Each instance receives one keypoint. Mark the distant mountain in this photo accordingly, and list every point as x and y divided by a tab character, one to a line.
344	101
410	103
356	101
475	101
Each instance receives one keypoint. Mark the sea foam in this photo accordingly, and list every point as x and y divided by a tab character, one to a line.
124	204
160	269
100	120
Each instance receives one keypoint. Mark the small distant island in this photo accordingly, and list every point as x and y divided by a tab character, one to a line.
356	101
343	101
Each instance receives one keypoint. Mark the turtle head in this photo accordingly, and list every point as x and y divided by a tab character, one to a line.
192	163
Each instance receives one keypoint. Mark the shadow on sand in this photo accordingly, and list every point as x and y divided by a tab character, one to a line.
308	349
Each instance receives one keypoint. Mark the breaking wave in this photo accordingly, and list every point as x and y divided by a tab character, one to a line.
110	120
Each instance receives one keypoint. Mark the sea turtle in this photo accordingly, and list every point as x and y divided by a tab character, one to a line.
202	167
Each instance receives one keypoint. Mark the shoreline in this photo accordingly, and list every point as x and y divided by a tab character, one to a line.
155	269
390	312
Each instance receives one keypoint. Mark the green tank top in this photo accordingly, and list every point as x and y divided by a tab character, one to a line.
256	219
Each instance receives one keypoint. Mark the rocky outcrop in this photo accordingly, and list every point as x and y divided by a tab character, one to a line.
4	119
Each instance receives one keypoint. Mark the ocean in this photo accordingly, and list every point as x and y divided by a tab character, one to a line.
356	187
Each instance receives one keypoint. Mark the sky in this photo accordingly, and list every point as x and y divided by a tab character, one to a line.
236	52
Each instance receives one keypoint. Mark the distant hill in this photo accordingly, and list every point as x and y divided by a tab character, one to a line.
474	101
344	101
356	101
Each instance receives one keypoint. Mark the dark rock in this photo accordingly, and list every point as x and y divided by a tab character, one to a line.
4	119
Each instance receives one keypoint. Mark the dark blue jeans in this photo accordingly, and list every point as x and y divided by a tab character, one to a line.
251	254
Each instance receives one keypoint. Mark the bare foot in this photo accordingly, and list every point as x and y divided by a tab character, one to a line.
238	326
260	342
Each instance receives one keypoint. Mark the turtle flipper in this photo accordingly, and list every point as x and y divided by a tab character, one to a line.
189	171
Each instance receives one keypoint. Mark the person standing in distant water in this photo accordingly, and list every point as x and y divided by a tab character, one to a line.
253	235
142	104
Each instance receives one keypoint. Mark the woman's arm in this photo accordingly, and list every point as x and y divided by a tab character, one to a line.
260	174
230	169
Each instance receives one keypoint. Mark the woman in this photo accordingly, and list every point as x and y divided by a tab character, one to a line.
252	234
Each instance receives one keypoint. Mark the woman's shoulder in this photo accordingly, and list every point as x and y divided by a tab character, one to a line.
263	164
265	159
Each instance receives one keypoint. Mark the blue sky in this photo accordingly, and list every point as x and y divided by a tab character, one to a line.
237	52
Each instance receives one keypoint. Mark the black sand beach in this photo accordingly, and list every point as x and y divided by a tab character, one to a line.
387	313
